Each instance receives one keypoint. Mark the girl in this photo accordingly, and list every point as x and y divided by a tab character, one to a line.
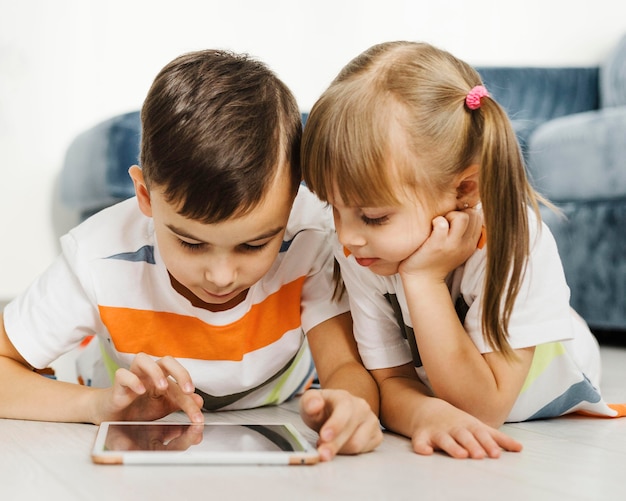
456	286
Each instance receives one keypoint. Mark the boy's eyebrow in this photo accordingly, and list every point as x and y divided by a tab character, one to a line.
182	233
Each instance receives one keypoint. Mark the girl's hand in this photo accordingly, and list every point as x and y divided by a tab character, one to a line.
150	390
408	408
452	241
461	435
345	423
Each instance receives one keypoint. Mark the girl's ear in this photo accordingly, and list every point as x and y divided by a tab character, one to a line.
141	190
467	192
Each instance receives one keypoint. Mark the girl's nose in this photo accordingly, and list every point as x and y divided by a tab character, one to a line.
348	234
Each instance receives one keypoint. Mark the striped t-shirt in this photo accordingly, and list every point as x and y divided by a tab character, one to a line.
565	372
110	281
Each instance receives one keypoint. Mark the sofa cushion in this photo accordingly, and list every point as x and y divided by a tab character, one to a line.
613	77
580	157
591	241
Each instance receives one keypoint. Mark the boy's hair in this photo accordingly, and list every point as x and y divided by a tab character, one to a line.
405	101
217	128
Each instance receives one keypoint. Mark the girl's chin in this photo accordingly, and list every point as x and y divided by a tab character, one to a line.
384	268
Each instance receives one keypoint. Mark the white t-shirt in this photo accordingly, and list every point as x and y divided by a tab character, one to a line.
564	376
110	281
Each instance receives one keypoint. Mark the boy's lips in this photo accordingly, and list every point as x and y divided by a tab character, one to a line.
366	261
219	296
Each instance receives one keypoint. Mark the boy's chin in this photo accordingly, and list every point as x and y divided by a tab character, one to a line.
215	303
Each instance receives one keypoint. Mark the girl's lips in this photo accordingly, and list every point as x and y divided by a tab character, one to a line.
366	261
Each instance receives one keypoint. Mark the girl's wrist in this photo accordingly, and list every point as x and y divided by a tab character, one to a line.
420	279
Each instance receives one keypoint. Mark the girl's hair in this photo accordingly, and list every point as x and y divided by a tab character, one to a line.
217	127
405	102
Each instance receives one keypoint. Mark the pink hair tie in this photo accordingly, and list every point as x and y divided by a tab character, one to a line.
472	100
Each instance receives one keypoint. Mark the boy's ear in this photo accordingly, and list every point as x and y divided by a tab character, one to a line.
467	192
141	190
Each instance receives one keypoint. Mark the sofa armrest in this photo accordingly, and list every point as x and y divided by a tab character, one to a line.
95	170
581	156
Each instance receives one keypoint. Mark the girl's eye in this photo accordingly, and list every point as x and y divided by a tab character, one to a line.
376	221
190	246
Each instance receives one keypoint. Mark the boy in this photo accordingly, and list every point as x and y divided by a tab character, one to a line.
202	287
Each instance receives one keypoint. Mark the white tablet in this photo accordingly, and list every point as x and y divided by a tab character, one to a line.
150	442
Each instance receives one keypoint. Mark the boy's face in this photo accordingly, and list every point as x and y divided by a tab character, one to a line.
214	265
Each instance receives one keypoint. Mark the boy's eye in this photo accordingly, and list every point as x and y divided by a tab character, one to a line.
374	220
254	248
190	246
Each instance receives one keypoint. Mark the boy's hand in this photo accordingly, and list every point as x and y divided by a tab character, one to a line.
150	390
345	423
155	438
461	435
452	241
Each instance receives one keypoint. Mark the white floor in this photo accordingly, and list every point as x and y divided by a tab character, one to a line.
572	458
569	458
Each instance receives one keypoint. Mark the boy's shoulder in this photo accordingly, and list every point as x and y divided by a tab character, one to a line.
309	213
119	228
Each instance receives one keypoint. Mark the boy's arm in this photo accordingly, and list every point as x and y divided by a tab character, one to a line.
432	423
143	392
345	411
25	394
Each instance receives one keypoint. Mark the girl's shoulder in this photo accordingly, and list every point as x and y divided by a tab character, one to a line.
542	253
542	241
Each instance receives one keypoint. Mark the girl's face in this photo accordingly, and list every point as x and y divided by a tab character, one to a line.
380	238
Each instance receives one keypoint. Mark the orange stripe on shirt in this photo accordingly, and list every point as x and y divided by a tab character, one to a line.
483	239
163	333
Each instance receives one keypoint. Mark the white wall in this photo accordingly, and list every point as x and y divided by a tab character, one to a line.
67	64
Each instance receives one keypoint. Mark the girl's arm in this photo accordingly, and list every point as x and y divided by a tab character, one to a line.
432	423
486	386
345	411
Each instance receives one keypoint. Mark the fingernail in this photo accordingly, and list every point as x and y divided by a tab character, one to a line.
325	454
188	388
327	434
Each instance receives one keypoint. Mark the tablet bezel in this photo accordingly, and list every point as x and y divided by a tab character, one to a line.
308	455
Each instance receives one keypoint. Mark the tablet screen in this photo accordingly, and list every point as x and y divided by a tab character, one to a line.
141	442
224	438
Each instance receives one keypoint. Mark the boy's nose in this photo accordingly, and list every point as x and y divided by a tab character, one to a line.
221	274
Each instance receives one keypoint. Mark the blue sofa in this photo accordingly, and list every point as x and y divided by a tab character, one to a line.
571	125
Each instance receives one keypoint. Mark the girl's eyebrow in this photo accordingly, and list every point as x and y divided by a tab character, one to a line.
183	233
